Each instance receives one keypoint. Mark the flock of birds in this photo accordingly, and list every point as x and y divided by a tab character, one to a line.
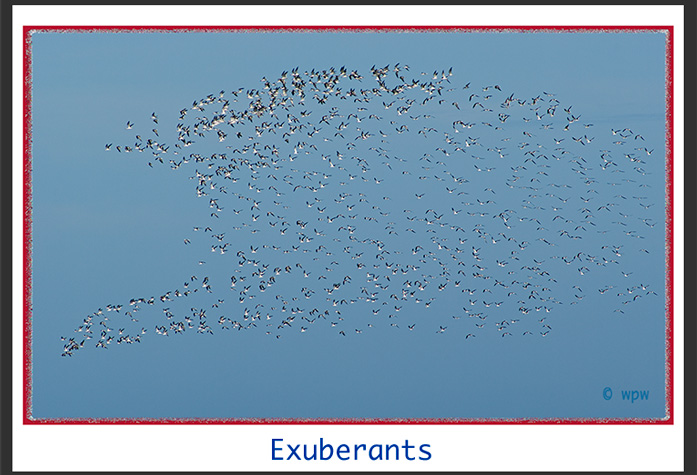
397	200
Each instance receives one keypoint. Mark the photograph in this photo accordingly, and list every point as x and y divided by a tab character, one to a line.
330	230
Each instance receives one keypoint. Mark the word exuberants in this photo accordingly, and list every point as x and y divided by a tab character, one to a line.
345	452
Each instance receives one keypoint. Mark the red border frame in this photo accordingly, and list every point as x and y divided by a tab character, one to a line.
27	222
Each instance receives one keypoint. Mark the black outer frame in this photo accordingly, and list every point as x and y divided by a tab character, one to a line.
6	169
6	239
690	394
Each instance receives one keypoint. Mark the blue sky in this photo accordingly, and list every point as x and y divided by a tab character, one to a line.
108	228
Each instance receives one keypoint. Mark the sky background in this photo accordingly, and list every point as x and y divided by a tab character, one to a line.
108	228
